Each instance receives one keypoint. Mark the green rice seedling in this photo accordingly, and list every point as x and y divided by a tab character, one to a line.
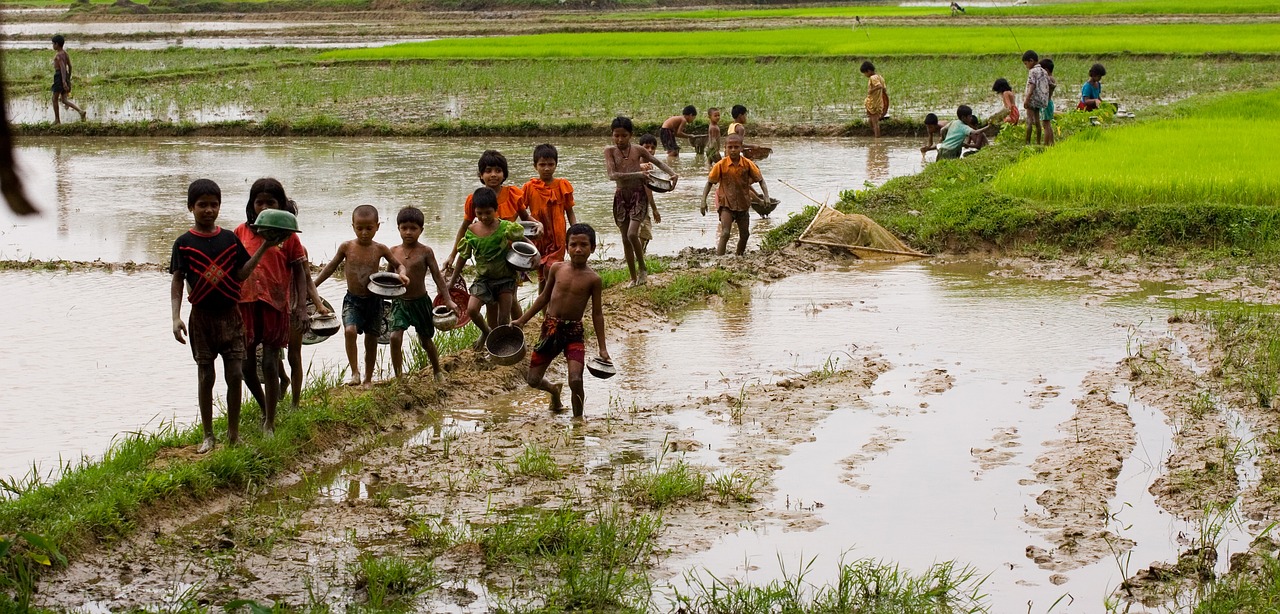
436	533
536	461
734	486
391	579
688	286
659	486
1132	7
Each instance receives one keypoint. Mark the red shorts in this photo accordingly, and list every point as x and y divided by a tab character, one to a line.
559	336
264	324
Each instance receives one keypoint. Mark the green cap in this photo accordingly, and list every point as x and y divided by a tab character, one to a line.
278	219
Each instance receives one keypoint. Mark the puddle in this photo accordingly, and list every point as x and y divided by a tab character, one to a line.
93	211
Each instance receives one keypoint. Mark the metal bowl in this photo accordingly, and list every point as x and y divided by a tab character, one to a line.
659	183
756	152
325	325
530	228
386	278
505	345
523	256
444	319
309	337
601	368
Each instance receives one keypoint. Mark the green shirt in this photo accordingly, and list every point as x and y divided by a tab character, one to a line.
491	252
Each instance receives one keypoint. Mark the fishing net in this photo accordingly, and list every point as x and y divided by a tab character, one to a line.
857	233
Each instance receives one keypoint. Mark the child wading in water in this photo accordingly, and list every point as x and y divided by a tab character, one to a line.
674	128
414	308
735	174
488	239
212	262
622	164
650	144
62	80
714	145
569	286
877	101
362	309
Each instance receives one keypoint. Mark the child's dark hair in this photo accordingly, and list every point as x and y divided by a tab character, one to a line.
582	229
738	110
484	198
364	211
202	187
59	40
491	158
1097	70
931	119
546	151
963	112
1047	65
1030	56
624	123
689	110
411	215
713	110
270	186
648	139
1001	86
291	206
867	67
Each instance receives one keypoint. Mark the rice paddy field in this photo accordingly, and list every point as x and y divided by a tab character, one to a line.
1122	7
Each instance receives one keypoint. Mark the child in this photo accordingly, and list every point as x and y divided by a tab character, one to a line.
267	302
303	288
362	309
488	239
212	262
414	307
1091	92
511	202
931	128
650	145
713	136
877	102
622	165
550	201
957	133
569	286
977	138
739	125
735	174
1010	112
1046	114
62	80
674	127
1037	93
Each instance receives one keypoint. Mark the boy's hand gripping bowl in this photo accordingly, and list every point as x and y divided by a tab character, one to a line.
659	182
386	284
523	256
601	368
444	319
321	325
505	345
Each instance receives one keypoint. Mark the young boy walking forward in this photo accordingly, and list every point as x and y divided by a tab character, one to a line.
212	262
362	309
550	200
569	286
414	308
735	174
622	164
488	239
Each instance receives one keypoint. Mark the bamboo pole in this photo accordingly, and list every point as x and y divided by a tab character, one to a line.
866	249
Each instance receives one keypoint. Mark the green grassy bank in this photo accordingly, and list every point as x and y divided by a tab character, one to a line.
1123	7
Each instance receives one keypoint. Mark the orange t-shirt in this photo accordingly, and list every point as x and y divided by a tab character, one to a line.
510	204
735	181
549	204
271	281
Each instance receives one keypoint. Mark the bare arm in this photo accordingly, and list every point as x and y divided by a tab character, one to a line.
456	266
302	286
175	302
247	270
457	240
573	219
597	316
644	153
333	264
544	297
442	289
706	191
394	264
765	189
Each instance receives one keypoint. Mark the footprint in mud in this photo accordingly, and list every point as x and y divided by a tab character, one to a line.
1000	453
878	444
1042	393
934	381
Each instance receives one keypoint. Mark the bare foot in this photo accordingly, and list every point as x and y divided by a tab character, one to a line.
83	114
354	380
556	405
643	280
206	446
439	377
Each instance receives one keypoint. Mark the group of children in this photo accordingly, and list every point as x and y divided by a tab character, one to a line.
1037	104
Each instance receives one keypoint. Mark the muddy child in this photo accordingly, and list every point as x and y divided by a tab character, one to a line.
62	80
570	285
714	144
487	240
267	303
674	127
212	262
362	309
550	201
1036	96
650	144
630	200
734	174
414	308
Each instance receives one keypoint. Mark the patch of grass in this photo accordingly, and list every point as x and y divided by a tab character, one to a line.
787	232
660	485
436	533
687	286
1244	590
1249	338
613	275
734	486
391	579
535	461
1130	7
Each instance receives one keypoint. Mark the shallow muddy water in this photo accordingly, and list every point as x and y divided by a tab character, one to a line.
198	41
125	200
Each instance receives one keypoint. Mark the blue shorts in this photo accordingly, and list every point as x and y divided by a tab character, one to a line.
1046	114
363	312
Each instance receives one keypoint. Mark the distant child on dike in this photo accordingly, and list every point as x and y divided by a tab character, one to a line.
735	174
488	239
650	145
1046	114
550	200
1091	92
630	198
212	262
877	101
362	309
714	144
569	286
1036	96
931	128
415	306
674	128
62	80
1009	113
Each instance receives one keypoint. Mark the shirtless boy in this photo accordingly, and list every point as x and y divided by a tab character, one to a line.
212	262
362	309
713	135
569	286
622	164
414	308
62	80
650	144
674	127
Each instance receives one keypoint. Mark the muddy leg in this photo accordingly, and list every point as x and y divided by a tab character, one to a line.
874	120
57	112
206	377
231	370
744	232
726	226
1032	122
505	301
250	374
350	335
397	353
1048	132
628	252
536	380
473	309
432	354
270	363
66	101
370	355
579	397
637	248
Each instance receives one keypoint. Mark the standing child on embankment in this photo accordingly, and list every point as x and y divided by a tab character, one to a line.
622	165
212	262
488	239
362	309
550	200
1037	94
877	101
415	306
569	286
62	80
1046	114
735	174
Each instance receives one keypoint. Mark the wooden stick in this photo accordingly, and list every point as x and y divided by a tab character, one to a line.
811	199
868	249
